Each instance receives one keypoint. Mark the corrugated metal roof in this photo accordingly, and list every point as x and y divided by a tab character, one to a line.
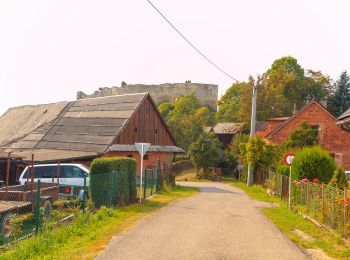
88	125
18	122
152	148
227	128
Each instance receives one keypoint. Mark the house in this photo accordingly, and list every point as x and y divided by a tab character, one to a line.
225	132
82	130
331	136
344	120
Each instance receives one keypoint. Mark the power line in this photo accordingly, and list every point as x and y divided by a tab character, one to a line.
190	43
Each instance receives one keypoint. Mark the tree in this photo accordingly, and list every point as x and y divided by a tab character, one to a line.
313	162
339	179
206	152
235	104
186	119
304	136
259	154
340	101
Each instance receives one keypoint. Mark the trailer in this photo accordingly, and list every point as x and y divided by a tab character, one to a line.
22	199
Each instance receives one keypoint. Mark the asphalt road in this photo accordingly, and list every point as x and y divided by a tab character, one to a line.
221	222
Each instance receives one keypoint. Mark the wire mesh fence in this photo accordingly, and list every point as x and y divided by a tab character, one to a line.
27	209
150	181
327	205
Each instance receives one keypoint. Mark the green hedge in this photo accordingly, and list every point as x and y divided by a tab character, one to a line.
313	162
113	181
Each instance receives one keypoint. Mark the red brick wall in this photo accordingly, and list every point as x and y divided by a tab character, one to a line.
331	137
151	162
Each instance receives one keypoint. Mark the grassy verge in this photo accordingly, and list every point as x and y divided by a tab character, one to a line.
256	192
189	175
288	222
90	233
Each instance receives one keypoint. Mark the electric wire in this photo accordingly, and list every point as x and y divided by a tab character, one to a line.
190	43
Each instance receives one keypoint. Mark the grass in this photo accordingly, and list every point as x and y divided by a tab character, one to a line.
287	221
90	233
256	192
189	175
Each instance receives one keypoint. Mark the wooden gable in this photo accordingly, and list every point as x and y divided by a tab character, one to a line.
145	125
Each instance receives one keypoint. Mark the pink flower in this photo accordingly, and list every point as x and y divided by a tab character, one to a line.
315	180
297	183
305	180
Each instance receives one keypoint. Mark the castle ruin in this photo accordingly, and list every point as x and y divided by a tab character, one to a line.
207	94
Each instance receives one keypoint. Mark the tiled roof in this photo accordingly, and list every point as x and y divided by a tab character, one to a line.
345	117
227	128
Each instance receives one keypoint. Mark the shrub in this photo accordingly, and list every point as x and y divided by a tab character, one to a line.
113	181
339	179
313	162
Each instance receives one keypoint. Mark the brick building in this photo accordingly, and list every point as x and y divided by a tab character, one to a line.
332	137
82	130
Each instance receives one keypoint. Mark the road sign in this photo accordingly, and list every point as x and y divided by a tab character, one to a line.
289	159
142	148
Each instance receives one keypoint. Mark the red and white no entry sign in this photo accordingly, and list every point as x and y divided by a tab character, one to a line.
289	158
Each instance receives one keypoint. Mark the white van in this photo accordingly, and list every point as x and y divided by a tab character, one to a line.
71	176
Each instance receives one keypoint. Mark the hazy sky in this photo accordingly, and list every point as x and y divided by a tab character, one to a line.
51	49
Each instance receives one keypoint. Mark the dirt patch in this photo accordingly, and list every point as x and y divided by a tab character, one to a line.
303	235
263	204
317	254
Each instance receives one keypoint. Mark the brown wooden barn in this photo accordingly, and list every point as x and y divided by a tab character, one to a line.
82	130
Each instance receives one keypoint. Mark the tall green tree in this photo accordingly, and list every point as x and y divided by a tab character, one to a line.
206	152
282	86
186	119
340	101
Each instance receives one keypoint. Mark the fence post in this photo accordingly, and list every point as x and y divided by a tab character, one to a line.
37	208
84	195
152	182
307	196
157	177
345	210
322	194
144	185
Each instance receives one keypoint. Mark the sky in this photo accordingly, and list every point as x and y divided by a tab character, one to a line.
51	49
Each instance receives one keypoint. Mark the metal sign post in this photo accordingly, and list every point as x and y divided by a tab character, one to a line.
142	149
288	160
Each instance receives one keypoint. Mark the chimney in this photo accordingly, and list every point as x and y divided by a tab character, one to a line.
323	102
294	110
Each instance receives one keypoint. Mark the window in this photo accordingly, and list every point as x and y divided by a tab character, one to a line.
145	157
71	172
41	172
130	156
135	129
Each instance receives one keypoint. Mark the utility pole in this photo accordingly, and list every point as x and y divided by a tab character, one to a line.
252	132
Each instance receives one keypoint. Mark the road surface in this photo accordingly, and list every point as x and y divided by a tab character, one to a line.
221	222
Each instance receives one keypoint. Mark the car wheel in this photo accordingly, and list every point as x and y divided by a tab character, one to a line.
6	225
